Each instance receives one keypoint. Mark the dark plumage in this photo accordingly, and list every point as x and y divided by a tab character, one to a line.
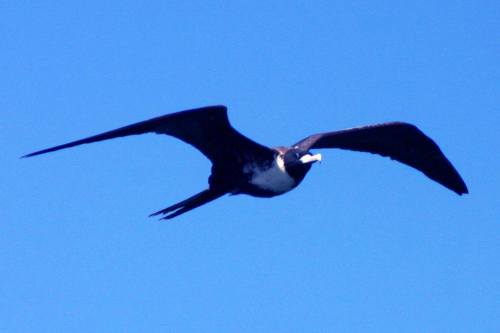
242	166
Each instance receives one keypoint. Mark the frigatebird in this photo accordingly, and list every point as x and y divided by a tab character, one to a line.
242	166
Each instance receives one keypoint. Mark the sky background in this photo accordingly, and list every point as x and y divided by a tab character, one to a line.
365	244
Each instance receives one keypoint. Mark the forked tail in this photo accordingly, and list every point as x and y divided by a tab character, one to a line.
191	203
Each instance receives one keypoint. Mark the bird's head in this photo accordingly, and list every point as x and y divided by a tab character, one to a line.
299	161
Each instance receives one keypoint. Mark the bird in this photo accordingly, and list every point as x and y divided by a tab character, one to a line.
243	166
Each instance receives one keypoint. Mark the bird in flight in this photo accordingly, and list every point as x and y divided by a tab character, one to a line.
242	166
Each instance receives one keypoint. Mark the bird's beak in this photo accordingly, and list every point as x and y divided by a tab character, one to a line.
310	158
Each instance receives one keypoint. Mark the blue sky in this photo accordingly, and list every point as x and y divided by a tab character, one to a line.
363	245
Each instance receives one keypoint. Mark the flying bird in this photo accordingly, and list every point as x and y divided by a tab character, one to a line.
242	166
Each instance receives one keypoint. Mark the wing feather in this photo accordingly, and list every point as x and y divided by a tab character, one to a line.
207	129
401	142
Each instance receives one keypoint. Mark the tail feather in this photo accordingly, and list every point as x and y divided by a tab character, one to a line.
190	203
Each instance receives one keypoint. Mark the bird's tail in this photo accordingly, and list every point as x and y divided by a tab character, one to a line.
188	204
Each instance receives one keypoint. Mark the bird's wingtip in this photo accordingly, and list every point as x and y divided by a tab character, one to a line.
35	153
462	190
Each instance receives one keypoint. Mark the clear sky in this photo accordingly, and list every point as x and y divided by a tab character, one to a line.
365	244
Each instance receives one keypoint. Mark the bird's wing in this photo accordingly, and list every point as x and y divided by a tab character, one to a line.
207	129
401	142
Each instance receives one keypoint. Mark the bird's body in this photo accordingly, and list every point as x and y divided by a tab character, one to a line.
242	166
270	180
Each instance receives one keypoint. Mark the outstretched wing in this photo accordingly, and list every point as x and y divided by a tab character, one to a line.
401	142
207	129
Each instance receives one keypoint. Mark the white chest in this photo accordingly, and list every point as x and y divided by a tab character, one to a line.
274	179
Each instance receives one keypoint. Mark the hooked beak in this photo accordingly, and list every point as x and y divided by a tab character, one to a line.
310	158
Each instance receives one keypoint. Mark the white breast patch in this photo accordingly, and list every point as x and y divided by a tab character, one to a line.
274	179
